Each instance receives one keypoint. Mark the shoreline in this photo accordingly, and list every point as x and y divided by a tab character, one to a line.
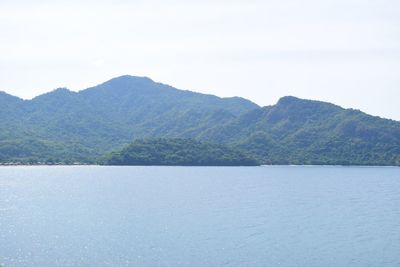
216	166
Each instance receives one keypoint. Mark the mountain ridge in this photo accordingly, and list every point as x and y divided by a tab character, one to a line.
68	126
127	76
111	114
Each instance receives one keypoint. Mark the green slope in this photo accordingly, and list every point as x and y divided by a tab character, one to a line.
65	126
181	152
91	122
297	131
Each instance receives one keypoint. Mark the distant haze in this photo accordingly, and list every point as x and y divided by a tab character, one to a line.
341	51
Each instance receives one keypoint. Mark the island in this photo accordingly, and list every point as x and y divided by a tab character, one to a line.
65	127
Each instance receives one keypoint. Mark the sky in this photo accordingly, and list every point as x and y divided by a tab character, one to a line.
342	51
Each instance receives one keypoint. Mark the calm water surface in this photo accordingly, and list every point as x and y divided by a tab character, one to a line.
199	216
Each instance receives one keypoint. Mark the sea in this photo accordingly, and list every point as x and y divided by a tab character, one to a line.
199	216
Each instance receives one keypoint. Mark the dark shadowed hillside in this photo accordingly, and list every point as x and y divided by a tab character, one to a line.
181	152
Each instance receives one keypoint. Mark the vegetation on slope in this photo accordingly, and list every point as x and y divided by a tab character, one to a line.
80	127
69	127
182	152
297	131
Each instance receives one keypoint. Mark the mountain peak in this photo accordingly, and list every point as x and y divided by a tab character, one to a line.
292	100
289	100
129	78
62	90
59	93
8	97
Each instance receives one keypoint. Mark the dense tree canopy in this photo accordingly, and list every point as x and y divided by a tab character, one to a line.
68	127
182	152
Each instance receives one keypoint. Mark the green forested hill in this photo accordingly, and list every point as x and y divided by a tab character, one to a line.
65	126
182	152
298	131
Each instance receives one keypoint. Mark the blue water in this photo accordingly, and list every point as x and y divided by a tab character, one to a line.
199	216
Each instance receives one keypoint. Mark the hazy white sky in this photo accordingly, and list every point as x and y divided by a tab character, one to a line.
342	51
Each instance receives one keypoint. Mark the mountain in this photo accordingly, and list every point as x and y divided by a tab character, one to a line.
182	152
298	131
80	126
67	127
